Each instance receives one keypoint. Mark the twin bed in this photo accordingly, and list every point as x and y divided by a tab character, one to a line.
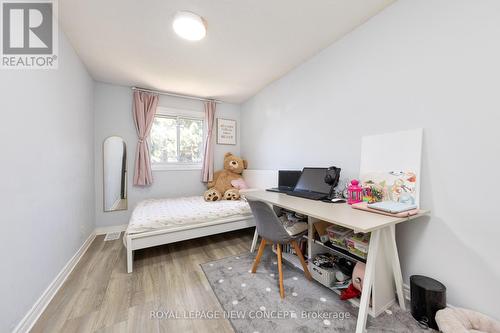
162	221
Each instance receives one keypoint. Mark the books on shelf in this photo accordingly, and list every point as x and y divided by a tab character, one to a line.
288	248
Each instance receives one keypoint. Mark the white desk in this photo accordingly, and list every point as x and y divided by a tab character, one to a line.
382	283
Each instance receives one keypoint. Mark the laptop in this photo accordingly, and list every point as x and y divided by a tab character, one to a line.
287	179
392	207
311	184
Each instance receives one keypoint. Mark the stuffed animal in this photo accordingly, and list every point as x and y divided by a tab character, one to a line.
227	183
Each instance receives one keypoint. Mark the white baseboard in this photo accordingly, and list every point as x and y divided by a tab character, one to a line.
406	291
26	324
114	228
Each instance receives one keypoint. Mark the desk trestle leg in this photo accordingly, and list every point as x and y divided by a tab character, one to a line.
368	281
390	235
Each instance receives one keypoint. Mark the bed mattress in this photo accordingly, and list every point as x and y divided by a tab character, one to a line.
158	214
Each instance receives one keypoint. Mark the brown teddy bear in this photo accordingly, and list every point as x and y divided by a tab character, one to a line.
226	183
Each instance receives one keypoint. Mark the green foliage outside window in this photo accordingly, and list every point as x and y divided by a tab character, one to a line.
176	140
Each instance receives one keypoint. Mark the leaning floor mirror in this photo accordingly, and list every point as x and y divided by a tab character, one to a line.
115	174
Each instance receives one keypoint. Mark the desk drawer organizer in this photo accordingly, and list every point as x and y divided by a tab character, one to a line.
324	276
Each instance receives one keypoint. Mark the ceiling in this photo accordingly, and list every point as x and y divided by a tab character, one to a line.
249	43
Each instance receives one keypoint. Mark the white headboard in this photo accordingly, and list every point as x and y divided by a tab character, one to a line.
260	179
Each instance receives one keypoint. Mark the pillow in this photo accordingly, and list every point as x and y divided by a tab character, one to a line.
239	184
458	320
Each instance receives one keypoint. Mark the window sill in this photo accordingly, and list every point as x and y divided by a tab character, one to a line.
176	167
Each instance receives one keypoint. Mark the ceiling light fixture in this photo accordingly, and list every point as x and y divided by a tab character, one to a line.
189	26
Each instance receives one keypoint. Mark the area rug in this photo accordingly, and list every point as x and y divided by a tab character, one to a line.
252	302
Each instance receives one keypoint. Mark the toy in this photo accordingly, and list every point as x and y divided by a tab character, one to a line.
355	192
356	286
239	184
394	186
358	275
373	193
227	183
350	292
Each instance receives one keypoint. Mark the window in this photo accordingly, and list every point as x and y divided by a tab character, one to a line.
176	139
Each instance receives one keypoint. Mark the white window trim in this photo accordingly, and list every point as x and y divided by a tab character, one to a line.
175	166
188	114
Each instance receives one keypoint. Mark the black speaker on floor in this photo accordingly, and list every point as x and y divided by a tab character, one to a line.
428	296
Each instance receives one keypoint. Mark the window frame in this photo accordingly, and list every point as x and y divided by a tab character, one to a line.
167	112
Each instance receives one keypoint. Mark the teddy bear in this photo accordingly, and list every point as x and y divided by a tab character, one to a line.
227	183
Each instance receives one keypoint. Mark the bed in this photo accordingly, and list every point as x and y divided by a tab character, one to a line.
161	221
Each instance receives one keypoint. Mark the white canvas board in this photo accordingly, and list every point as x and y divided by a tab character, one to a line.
395	153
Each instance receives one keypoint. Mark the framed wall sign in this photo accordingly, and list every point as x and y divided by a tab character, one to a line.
226	131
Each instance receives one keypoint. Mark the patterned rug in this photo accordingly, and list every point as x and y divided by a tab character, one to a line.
252	302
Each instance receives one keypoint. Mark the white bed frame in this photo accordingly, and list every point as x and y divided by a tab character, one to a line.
160	237
258	179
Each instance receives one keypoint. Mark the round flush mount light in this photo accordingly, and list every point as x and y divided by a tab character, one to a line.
189	26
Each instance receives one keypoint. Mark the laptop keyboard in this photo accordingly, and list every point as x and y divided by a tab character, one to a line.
308	195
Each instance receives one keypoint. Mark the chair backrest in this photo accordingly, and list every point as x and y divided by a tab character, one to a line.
268	225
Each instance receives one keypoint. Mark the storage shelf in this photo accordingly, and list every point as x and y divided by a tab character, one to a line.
291	258
340	251
295	261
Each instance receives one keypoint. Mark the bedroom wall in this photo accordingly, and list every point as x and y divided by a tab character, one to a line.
47	189
113	116
428	63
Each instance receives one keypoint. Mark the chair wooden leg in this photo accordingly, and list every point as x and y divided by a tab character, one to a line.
302	260
280	270
259	255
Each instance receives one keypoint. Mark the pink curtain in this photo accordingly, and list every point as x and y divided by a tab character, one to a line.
144	113
207	173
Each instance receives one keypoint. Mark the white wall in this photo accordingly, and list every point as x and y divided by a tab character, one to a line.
47	167
113	116
427	63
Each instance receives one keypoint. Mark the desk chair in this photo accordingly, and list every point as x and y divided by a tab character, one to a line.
271	230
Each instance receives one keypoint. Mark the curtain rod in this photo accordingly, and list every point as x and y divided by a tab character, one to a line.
176	95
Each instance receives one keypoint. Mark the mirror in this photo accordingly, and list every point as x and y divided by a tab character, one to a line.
115	174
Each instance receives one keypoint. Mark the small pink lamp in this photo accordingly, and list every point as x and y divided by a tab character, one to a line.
354	192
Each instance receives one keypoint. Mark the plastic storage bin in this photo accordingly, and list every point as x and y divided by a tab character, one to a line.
358	244
338	234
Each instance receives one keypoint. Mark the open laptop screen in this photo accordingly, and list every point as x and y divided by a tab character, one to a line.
313	180
288	178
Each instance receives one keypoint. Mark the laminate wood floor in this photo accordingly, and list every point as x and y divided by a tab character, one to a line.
99	295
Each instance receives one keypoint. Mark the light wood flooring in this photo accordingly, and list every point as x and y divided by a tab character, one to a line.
99	296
